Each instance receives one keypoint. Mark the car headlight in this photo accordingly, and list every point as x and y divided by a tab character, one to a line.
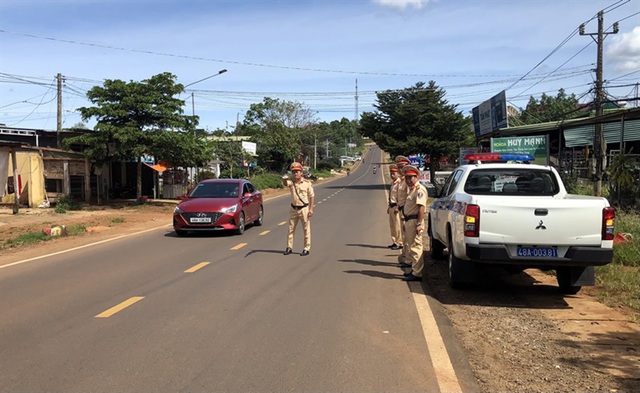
177	210
232	209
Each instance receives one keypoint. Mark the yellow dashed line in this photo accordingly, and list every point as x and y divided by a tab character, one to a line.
239	246
282	223
264	233
119	307
197	267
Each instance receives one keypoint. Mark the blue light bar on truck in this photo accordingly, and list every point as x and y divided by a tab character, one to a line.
499	157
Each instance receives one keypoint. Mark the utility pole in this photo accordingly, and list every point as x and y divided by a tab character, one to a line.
59	126
599	143
355	118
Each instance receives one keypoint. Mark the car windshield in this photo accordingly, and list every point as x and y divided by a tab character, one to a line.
513	181
215	190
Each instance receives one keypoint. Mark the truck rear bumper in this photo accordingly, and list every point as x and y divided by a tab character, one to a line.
575	256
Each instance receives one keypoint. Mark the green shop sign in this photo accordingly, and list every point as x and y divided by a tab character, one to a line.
537	146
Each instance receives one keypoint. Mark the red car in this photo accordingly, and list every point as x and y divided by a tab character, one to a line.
219	204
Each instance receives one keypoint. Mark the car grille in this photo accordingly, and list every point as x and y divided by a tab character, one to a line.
214	216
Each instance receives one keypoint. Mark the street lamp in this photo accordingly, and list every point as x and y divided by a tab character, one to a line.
193	105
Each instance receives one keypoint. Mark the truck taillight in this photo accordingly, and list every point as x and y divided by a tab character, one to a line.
472	221
608	223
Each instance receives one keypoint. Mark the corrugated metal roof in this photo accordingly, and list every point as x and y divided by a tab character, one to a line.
583	135
611	118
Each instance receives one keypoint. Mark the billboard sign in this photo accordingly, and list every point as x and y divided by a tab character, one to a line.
537	146
491	115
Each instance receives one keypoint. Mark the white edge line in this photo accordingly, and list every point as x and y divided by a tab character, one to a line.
444	371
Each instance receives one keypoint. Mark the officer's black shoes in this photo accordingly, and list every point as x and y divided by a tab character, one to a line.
407	273
304	253
404	265
411	277
287	251
391	245
396	247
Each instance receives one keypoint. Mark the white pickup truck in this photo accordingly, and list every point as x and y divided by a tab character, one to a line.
518	215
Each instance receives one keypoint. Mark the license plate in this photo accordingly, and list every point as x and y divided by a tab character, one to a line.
538	252
200	220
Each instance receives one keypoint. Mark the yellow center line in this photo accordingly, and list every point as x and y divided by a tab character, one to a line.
282	223
239	246
197	267
264	233
120	307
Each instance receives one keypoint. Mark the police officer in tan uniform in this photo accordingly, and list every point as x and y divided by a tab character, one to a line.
414	214
394	214
302	201
401	162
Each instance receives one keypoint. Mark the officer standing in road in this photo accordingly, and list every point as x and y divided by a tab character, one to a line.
401	161
302	201
414	214
394	215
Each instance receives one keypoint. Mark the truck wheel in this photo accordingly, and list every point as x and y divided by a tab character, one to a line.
563	274
437	248
456	268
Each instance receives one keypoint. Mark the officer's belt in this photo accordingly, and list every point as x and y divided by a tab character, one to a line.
299	207
411	217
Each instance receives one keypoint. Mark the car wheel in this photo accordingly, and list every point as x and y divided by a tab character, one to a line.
563	274
457	268
240	228
258	222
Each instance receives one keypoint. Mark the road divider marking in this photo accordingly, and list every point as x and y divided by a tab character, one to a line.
445	374
282	223
239	246
263	233
120	307
197	267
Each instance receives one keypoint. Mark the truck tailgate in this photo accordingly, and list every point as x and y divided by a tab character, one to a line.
540	221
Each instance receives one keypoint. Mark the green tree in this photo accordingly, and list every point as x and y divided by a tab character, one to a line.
417	120
549	108
133	120
278	128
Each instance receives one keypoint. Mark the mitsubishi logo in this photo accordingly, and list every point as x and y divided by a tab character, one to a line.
541	225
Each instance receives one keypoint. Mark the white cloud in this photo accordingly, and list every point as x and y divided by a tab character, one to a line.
624	51
403	4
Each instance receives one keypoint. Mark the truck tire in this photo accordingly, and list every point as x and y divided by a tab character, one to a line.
435	246
457	269
563	274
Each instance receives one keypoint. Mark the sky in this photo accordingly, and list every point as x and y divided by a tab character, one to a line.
332	56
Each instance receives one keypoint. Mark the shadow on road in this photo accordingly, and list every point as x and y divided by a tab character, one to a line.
494	287
368	262
364	245
376	274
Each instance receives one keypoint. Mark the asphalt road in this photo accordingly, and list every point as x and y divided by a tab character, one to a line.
217	312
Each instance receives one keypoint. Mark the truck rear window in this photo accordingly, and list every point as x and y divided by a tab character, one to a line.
511	181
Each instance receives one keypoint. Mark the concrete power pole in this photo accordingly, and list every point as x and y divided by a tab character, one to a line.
59	126
599	143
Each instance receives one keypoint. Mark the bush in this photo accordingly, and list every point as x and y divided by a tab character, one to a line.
328	164
627	253
66	203
267	180
238	173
